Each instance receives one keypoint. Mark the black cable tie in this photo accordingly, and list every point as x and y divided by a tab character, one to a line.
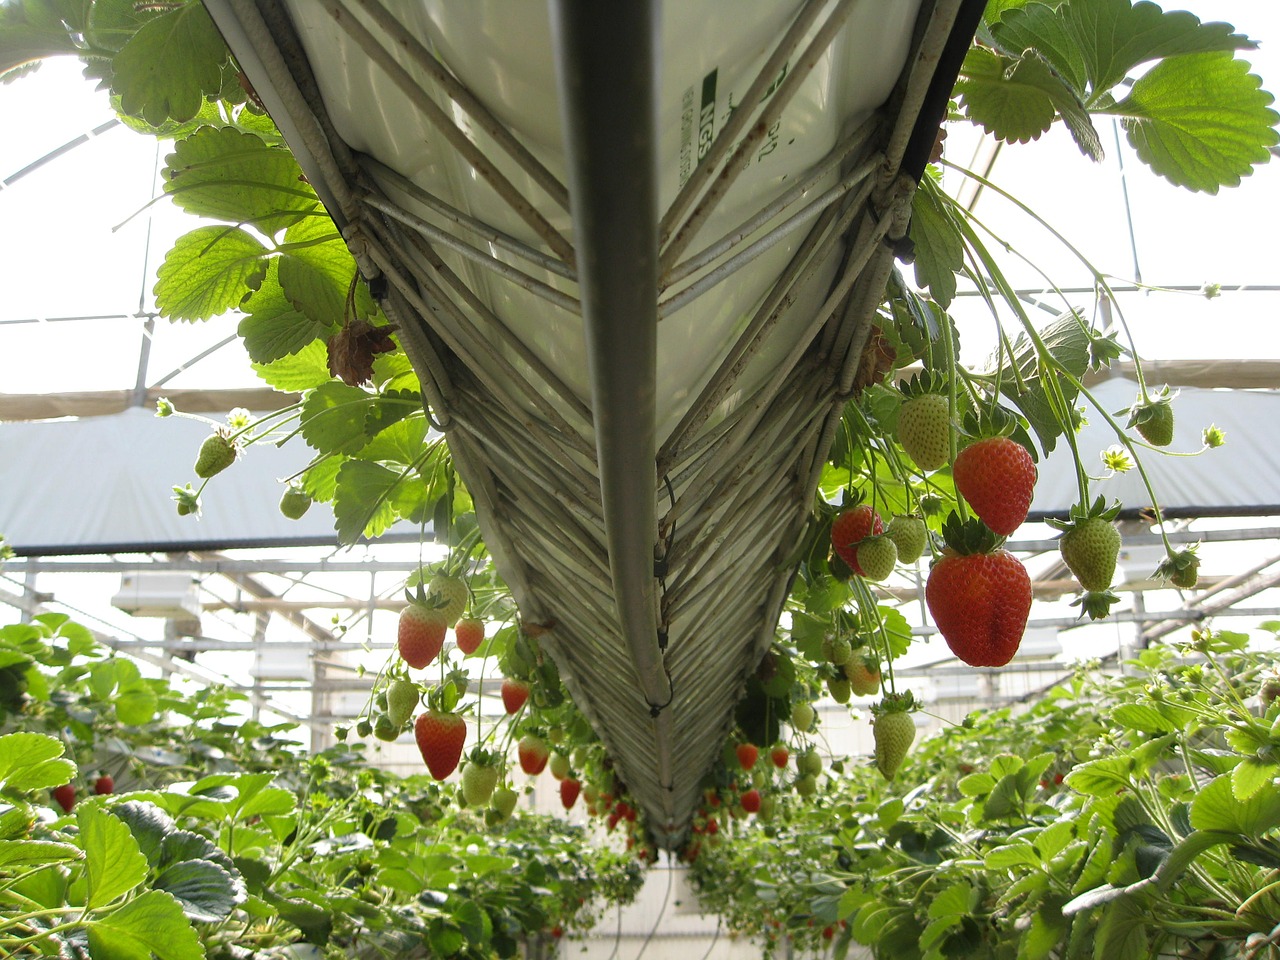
662	638
655	709
660	569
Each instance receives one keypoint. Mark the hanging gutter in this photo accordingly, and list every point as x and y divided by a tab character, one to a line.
609	123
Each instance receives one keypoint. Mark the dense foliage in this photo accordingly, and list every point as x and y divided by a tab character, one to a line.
137	819
1119	816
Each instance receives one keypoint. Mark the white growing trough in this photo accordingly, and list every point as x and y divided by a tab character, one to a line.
634	251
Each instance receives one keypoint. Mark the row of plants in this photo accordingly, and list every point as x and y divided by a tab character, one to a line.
137	820
1128	813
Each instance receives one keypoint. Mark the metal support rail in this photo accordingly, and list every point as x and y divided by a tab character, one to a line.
606	59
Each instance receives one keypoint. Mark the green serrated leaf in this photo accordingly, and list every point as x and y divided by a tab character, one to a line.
320	481
939	250
1017	99
224	174
316	270
1067	340
304	370
1040	27
362	500
136	704
1201	121
1114	36
33	853
333	418
208	272
165	69
1251	775
273	328
148	823
114	864
1216	808
206	891
151	924
24	758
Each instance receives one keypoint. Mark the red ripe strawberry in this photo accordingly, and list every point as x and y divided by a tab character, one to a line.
750	801
66	797
533	753
997	477
779	755
850	528
569	790
420	635
747	754
980	603
104	784
469	634
514	694
440	737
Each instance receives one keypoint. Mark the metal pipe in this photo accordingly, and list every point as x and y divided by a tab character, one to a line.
606	58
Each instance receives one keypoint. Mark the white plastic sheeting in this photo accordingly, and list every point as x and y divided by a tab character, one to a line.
104	484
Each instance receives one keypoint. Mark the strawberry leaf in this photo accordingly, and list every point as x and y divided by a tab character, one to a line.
222	173
1201	121
208	272
362	500
333	418
939	251
316	271
273	328
165	69
303	370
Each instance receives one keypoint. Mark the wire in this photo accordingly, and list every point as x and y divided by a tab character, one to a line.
714	939
661	913
617	939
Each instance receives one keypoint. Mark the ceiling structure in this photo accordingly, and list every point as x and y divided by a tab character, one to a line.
559	204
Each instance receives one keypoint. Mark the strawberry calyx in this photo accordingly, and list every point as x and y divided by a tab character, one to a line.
923	383
1080	513
970	536
1096	604
1181	568
904	702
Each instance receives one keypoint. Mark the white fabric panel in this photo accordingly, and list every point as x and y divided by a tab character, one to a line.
1241	477
79	486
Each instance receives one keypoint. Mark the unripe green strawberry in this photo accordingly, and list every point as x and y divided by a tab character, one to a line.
504	802
877	556
909	535
894	733
384	729
802	716
924	430
1182	569
1090	549
294	503
402	700
809	763
837	650
478	781
216	454
864	675
1154	421
839	689
807	785
448	595
559	766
